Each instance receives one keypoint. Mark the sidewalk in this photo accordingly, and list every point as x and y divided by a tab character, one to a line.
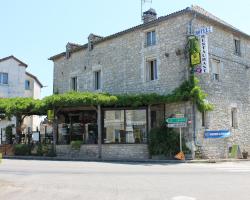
123	160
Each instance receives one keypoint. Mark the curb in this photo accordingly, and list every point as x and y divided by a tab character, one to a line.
42	158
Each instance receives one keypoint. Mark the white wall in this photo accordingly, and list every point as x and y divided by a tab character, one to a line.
16	78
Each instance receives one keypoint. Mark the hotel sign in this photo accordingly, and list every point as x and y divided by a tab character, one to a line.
204	31
202	34
204	54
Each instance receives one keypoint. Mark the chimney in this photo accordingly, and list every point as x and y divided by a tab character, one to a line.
149	15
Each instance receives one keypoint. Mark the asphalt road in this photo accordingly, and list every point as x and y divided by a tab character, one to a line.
59	180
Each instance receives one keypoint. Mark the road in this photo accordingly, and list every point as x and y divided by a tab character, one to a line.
59	180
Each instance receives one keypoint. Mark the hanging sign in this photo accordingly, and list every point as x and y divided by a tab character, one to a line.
217	134
204	31
195	59
204	54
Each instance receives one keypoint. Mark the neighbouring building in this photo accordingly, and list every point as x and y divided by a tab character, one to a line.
152	57
15	81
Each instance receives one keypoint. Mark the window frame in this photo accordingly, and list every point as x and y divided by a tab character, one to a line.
74	83
97	80
2	82
216	76
150	38
234	117
237	47
152	70
27	88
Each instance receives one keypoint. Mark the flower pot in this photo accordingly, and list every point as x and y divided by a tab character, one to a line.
244	155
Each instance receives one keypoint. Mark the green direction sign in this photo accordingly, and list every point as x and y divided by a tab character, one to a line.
176	120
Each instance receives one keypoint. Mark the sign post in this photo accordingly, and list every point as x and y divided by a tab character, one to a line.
179	121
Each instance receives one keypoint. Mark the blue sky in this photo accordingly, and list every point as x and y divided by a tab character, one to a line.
34	30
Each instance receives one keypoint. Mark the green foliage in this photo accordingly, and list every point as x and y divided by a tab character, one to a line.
194	45
21	149
188	90
76	144
165	141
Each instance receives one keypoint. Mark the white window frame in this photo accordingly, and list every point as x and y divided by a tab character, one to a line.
152	40
216	69
152	69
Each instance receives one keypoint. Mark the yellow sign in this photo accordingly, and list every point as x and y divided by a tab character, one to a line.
195	59
50	115
180	156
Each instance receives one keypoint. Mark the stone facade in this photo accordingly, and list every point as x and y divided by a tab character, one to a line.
122	59
109	151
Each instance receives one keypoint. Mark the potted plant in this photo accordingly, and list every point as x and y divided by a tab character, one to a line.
244	154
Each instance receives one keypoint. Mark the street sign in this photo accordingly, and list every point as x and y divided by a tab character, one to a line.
204	31
178	125
217	133
176	120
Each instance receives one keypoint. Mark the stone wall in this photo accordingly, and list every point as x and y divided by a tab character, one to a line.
109	151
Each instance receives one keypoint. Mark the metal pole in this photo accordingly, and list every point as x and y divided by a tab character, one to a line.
180	141
99	125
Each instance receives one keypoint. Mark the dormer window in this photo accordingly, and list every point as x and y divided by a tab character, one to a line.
91	45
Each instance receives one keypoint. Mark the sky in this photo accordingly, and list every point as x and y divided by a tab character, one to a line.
34	30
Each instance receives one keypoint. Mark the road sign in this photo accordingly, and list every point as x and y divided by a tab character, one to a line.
176	120
177	125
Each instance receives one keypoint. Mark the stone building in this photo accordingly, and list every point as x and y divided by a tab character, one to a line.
152	58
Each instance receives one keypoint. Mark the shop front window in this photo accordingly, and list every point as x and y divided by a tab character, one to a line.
130	127
80	126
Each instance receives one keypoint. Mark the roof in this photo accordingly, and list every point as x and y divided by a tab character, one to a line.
16	59
195	10
35	78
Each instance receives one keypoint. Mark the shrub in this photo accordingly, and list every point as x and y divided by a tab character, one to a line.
165	141
21	149
76	144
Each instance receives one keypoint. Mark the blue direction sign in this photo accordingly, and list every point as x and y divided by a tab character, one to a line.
217	133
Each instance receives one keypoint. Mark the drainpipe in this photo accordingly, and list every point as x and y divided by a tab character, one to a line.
99	125
190	32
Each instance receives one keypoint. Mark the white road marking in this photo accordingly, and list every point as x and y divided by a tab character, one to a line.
183	198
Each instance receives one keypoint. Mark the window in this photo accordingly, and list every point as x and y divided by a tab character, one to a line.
203	119
234	118
237	47
216	65
151	70
74	83
27	85
97	79
151	39
130	128
3	78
